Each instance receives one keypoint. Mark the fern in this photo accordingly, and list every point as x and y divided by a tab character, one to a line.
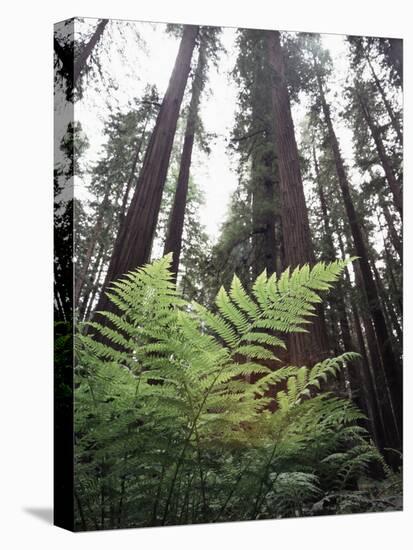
168	430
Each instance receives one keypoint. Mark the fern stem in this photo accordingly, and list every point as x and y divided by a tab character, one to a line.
230	494
191	431
258	499
158	496
198	448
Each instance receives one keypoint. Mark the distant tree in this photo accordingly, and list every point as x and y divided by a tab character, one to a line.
391	367
365	53
253	140
112	179
68	215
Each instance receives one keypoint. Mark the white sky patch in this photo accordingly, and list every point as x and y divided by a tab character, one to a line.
216	177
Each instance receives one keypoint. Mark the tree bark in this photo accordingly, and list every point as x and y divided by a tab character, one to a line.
133	246
298	246
173	242
391	368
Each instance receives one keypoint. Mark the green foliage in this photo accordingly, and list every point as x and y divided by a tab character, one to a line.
186	415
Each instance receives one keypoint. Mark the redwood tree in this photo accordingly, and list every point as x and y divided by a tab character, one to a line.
173	242
298	246
134	242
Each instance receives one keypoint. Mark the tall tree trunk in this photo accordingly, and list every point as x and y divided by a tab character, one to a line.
381	151
133	246
173	242
391	367
389	108
80	62
374	384
337	300
298	246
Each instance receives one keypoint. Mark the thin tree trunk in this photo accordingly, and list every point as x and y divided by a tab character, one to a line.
98	268
386	102
395	291
387	306
337	299
391	436
392	370
80	62
367	384
80	280
173	242
391	321
381	151
298	246
134	243
373	415
393	234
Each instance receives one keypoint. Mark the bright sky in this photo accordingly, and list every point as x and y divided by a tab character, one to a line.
215	174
